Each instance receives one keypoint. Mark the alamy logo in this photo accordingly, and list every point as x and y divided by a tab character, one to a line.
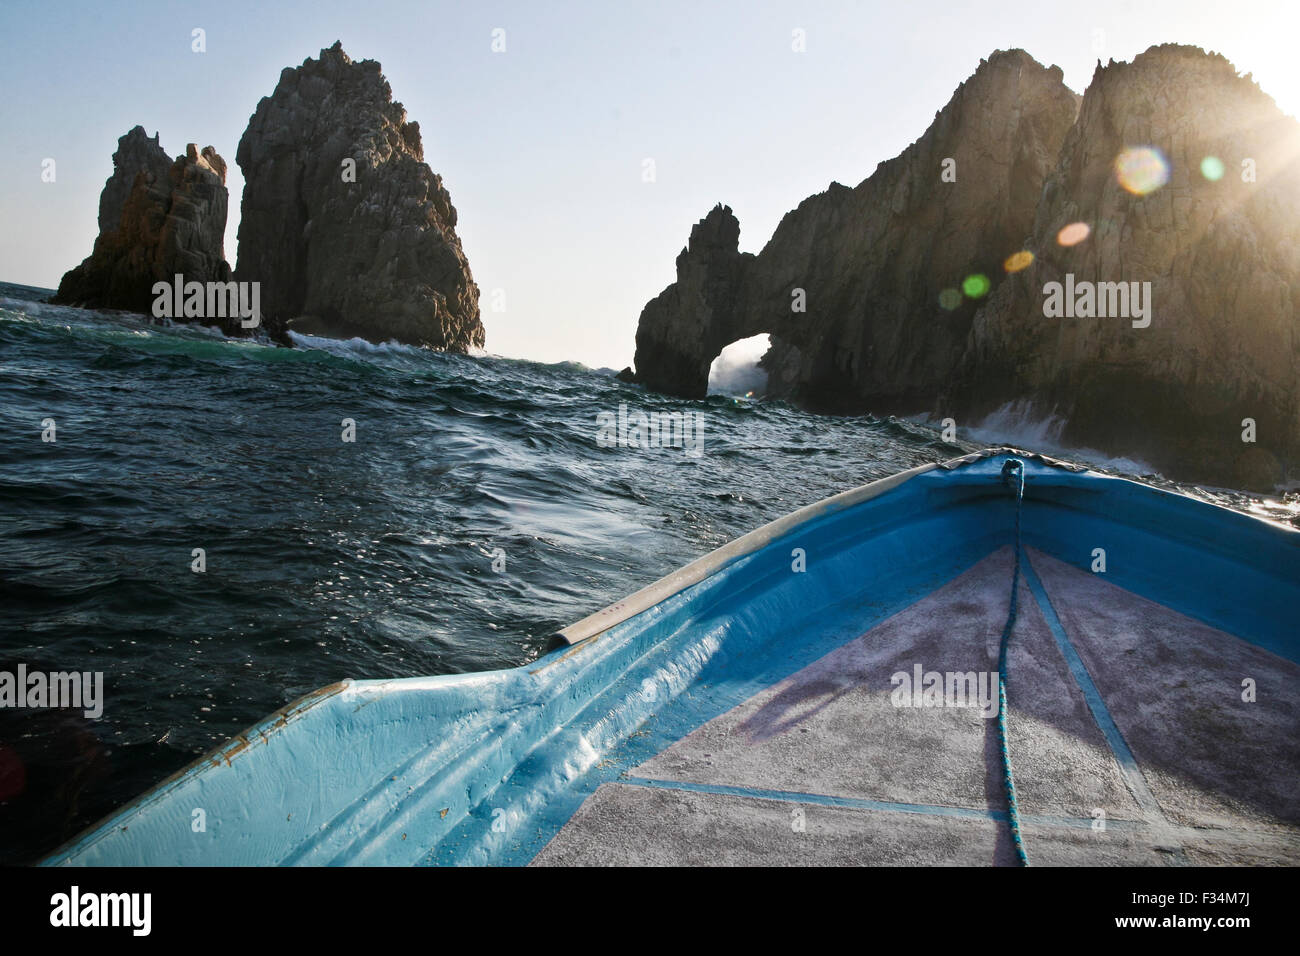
636	429
923	688
37	689
75	908
1100	300
208	300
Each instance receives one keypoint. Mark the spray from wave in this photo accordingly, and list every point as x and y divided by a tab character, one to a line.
1023	424
736	371
353	347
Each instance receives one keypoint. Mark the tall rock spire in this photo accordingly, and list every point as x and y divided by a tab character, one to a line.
346	228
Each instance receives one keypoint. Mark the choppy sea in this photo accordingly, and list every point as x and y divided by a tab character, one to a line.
475	512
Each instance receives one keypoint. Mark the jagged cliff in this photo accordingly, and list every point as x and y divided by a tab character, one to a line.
1172	170
1219	242
157	217
347	229
869	263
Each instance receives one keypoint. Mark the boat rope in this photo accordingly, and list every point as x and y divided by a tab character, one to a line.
1013	470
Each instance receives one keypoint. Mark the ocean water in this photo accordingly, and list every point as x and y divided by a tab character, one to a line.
475	513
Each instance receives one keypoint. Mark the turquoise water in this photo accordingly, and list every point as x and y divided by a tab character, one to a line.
325	558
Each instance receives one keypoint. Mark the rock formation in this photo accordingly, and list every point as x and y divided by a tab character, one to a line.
157	218
346	228
1220	244
880	267
867	264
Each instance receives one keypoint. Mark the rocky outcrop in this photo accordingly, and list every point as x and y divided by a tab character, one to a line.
892	327
346	228
157	217
1220	244
867	265
692	320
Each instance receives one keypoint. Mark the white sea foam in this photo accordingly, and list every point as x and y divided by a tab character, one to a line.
37	309
735	371
353	347
1022	424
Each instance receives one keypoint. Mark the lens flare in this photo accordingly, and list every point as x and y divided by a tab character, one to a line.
1073	234
976	286
949	299
1212	168
1142	170
1019	260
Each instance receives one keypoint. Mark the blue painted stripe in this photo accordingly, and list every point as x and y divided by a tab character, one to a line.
855	803
1128	764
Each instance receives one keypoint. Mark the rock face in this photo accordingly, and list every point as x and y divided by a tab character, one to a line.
157	218
870	262
886	329
343	224
1223	259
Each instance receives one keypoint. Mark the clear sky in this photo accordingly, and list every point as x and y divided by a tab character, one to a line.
543	146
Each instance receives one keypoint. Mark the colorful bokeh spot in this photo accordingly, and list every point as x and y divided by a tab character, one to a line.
949	299
1073	234
1142	170
1212	168
976	286
1019	260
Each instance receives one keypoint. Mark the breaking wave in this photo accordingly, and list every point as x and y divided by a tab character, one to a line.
736	371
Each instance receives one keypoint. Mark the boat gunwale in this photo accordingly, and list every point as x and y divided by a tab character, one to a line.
610	616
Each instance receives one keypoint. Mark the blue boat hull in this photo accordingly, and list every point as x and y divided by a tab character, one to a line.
488	768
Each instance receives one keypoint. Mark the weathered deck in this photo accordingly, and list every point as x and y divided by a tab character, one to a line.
1120	711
